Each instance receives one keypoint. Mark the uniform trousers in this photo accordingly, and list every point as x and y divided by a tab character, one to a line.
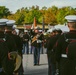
26	48
36	55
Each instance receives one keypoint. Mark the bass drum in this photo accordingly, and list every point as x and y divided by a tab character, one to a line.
15	56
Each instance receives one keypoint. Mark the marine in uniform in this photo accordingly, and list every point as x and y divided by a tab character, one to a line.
18	41
10	42
51	51
19	46
6	64
14	42
66	65
42	39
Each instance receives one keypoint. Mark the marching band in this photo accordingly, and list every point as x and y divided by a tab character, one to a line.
13	45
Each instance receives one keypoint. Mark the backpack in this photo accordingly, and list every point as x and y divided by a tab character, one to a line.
71	47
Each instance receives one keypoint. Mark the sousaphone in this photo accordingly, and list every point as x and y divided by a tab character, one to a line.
15	56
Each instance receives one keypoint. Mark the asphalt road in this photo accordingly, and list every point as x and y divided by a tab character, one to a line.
30	69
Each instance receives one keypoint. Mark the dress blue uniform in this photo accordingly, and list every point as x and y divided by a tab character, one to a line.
14	42
6	65
66	65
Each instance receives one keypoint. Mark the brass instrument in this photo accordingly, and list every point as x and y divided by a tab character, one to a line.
15	56
34	39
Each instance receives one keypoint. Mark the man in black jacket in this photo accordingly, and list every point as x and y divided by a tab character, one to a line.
37	44
26	42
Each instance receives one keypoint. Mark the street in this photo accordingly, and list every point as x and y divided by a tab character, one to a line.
30	69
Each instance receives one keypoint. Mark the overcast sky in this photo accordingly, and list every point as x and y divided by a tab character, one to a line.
13	5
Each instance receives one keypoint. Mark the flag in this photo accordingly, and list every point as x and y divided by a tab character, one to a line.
43	26
35	25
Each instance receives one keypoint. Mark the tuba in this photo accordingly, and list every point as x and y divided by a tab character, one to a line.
15	56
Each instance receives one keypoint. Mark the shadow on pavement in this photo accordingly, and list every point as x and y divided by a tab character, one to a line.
37	72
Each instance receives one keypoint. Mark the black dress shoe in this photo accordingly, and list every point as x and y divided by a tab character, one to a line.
35	64
38	64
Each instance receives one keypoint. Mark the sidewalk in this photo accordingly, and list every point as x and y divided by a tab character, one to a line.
30	69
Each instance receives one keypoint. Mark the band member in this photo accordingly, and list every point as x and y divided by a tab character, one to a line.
36	43
42	39
54	35
26	42
18	41
6	63
50	43
66	65
10	42
13	41
19	45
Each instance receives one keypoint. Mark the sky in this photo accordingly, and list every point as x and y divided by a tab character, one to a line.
14	5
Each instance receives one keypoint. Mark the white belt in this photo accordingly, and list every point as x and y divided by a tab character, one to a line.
64	55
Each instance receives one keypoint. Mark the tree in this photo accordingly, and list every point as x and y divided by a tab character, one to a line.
33	12
52	15
4	12
20	19
49	16
62	12
44	8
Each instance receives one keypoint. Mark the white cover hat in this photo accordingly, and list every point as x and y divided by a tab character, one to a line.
25	31
10	22
3	21
40	30
71	18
